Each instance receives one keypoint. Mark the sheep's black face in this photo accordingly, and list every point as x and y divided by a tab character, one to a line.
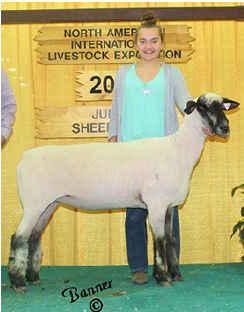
213	116
210	106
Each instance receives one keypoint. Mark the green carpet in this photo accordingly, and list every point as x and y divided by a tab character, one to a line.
209	288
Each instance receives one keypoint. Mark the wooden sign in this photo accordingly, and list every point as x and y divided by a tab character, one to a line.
106	44
95	85
72	122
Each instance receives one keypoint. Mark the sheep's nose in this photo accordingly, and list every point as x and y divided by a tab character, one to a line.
224	129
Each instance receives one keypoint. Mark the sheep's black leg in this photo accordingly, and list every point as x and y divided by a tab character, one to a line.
157	221
20	259
35	251
18	262
160	269
172	260
34	259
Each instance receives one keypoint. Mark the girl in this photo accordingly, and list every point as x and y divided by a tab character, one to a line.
144	106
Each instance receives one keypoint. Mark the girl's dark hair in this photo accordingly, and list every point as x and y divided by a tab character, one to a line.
149	20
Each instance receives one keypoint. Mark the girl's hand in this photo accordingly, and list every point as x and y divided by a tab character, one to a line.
3	141
113	139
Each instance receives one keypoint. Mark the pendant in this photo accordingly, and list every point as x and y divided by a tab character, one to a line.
145	91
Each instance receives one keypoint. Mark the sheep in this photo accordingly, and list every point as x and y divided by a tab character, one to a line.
152	174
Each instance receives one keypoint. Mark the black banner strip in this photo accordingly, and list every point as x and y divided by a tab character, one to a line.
120	14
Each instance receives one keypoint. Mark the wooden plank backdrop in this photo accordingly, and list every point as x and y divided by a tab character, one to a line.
75	237
85	121
92	85
103	44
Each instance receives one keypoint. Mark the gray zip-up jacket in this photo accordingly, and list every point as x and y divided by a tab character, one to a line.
175	92
8	106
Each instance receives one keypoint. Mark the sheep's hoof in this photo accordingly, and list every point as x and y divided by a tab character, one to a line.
166	284
178	279
34	283
164	278
20	290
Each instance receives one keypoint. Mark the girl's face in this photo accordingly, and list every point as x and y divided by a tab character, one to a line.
149	43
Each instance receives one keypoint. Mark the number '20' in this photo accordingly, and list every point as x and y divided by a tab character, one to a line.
108	84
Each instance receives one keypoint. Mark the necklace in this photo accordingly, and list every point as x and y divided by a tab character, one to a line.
145	90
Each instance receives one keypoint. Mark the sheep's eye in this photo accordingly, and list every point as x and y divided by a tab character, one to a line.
204	106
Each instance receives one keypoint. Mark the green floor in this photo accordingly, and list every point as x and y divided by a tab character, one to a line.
210	288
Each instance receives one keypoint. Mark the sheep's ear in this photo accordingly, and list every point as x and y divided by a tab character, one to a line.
190	106
229	104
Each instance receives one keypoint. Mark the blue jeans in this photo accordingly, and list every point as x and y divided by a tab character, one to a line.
136	238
